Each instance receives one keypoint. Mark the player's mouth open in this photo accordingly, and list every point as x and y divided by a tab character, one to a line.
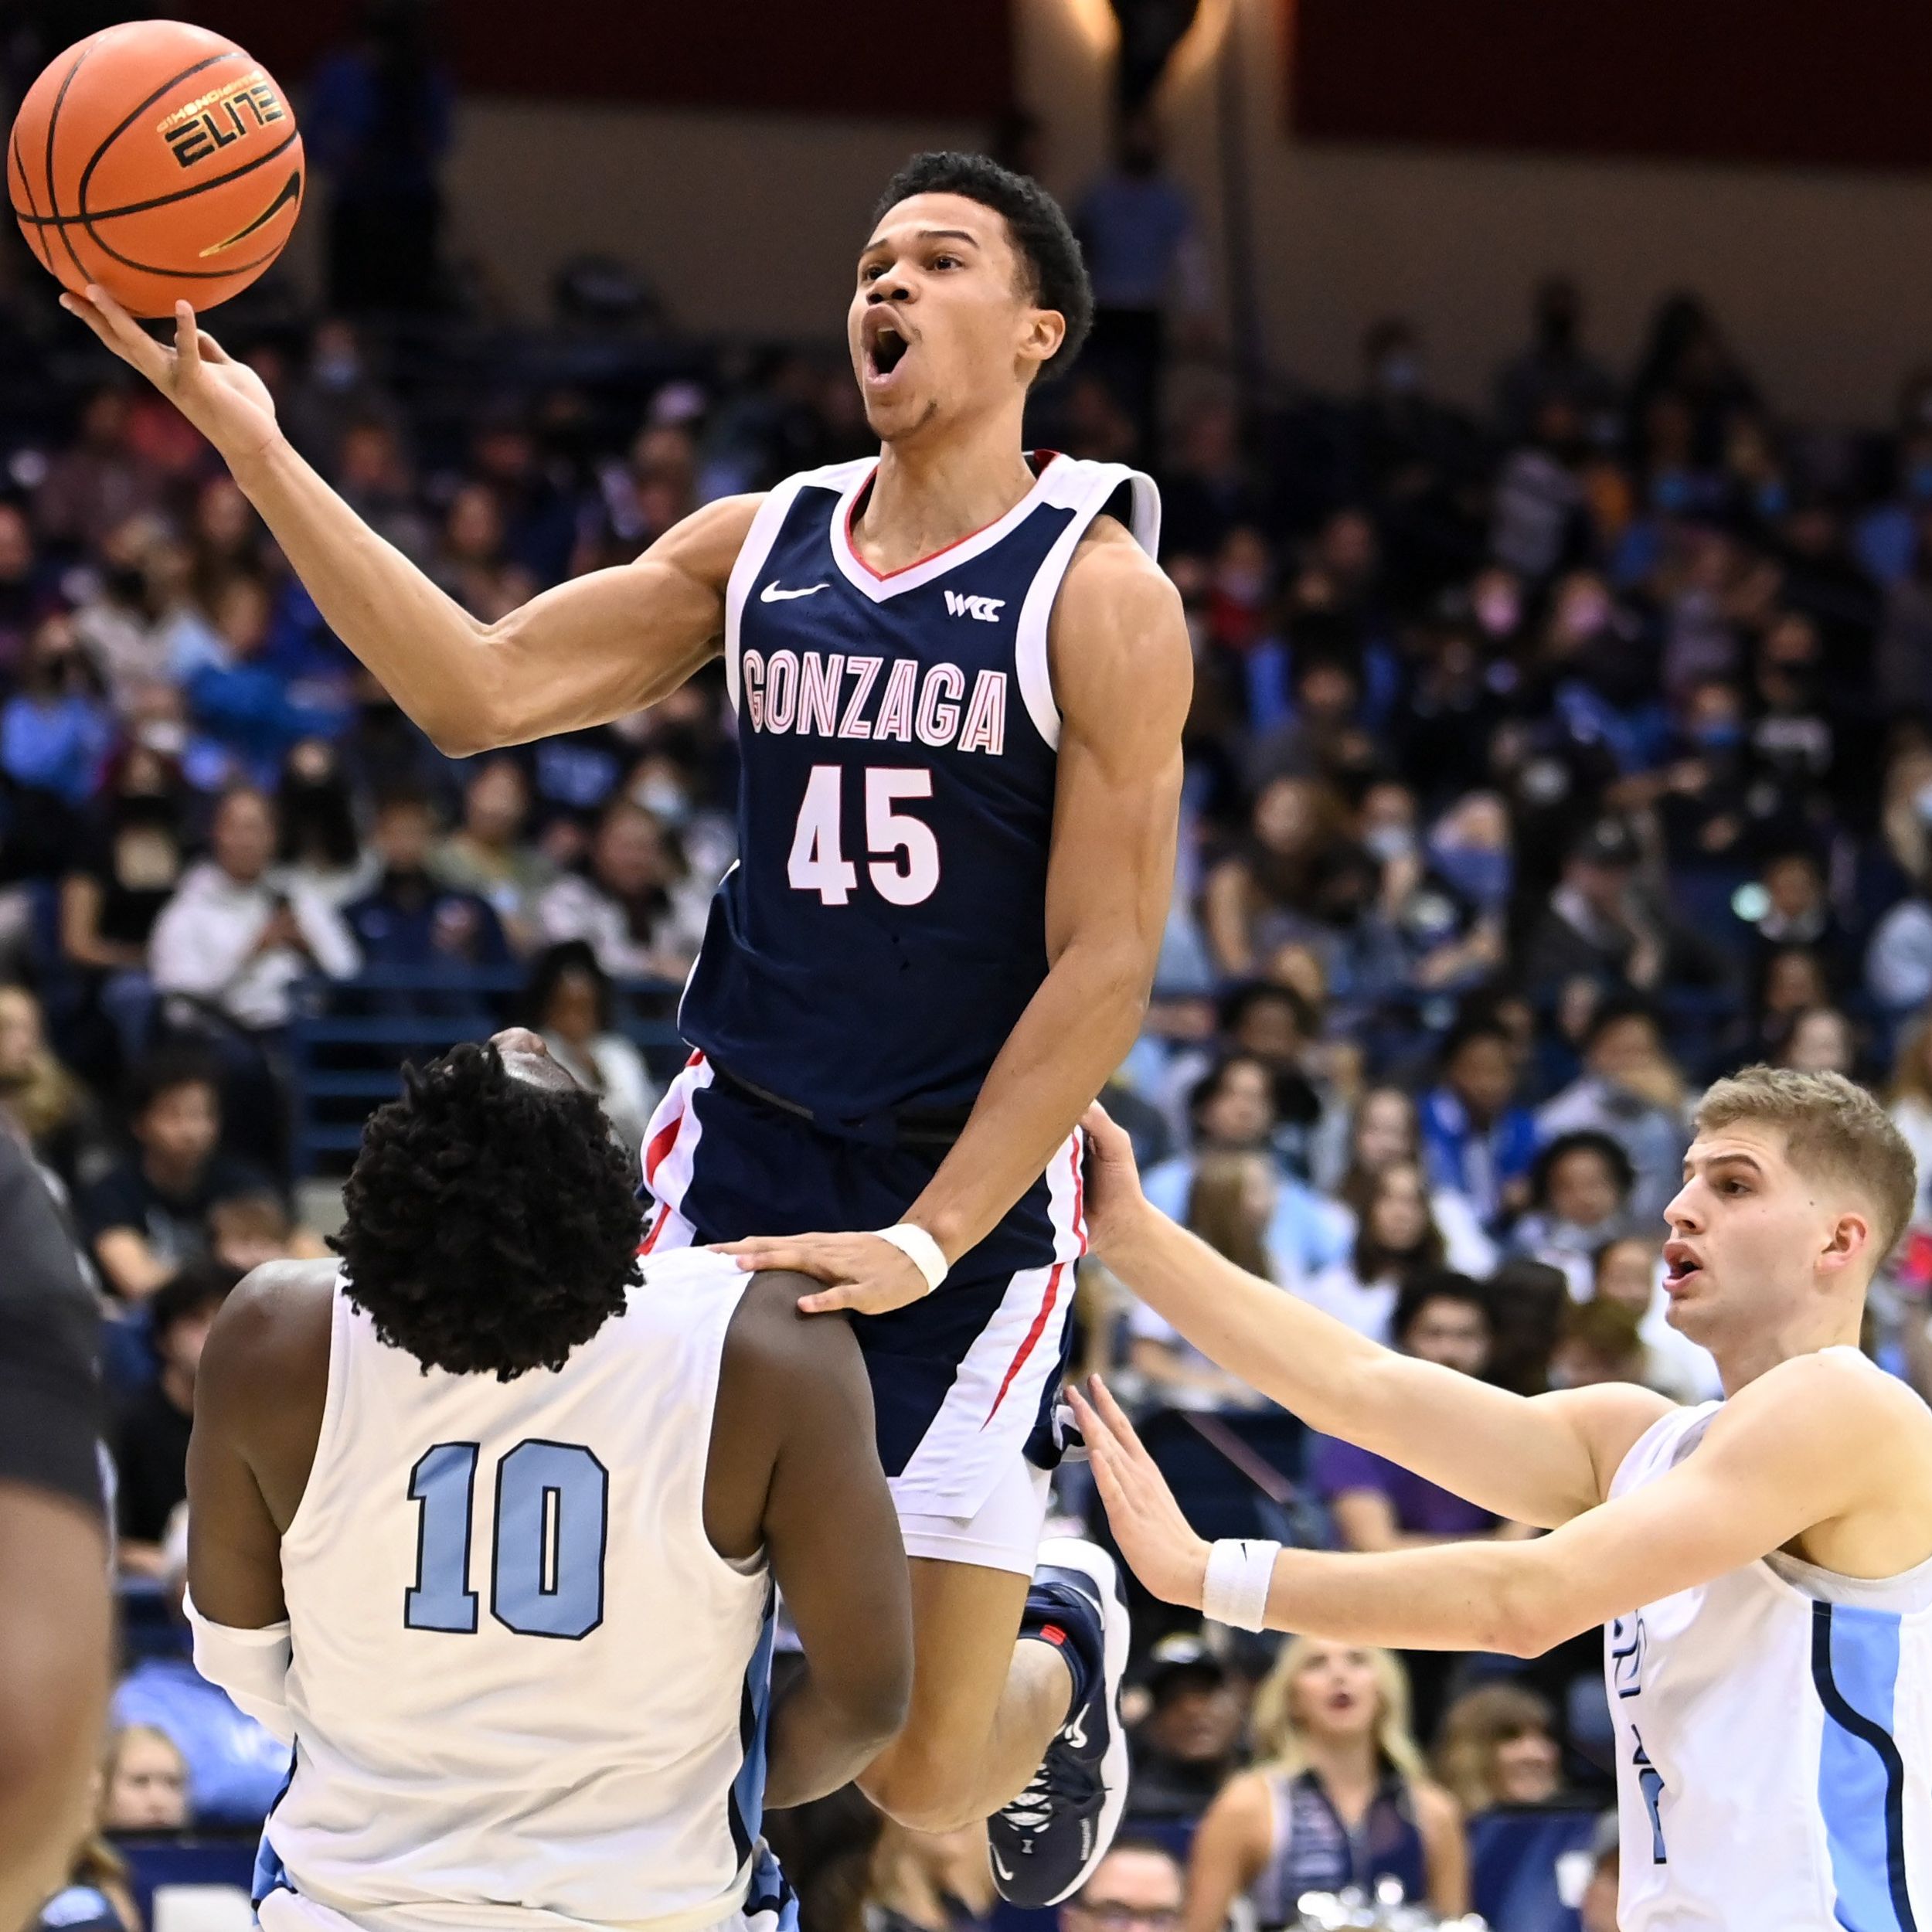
884	350
1681	1265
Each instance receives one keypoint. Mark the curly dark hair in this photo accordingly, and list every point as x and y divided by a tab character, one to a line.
1042	236
492	1223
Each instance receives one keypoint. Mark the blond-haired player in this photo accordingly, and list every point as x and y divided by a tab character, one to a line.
1763	1564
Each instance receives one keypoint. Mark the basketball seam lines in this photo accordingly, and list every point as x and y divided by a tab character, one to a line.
38	242
160	201
134	114
53	193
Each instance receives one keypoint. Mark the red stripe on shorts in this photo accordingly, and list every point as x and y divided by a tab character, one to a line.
1033	1337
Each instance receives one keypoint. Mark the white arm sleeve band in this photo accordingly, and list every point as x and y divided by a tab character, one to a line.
251	1665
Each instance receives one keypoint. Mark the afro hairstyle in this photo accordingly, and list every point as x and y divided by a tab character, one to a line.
491	1224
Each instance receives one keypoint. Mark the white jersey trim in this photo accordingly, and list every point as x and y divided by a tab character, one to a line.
766	523
1087	488
879	588
341	1311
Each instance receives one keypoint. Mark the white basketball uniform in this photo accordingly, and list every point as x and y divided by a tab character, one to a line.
526	1692
1773	1739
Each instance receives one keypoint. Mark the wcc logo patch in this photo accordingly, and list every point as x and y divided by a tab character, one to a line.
986	609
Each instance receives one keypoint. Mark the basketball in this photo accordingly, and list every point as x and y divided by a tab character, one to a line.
158	161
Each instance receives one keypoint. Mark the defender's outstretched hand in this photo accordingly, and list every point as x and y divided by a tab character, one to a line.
224	399
1153	1535
863	1273
1114	1199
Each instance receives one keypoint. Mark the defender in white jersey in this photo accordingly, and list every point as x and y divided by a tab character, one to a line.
487	1528
1762	1565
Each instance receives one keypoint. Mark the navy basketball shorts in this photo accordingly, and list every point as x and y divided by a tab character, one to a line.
964	1381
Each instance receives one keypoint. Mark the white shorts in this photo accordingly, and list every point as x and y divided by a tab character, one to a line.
1003	1534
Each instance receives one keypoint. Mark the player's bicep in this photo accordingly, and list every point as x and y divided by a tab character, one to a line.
614	640
1124	678
1766	1471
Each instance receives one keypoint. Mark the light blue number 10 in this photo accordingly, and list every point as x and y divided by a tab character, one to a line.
552	1522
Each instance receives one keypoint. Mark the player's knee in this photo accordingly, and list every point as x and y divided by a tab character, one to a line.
923	1790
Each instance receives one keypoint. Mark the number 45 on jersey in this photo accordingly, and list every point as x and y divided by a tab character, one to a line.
903	855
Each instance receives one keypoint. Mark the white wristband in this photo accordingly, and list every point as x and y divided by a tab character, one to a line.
920	1249
1239	1576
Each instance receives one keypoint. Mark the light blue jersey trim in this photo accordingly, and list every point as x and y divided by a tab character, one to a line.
1861	1778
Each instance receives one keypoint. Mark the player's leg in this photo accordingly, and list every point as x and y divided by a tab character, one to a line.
984	1706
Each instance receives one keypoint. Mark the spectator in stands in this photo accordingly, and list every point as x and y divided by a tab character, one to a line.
1479	1142
100	479
146	1217
1629	1274
1188	1744
1396	1241
930	1881
1555	367
1898	964
1339	1796
97	1896
1440	1317
1277	1026
248	1229
143	1781
151	1441
488	855
1602	925
236	1768
240	704
1822	1041
1275	889
1386	1130
1138	1887
321	851
632	901
126	865
1909	1100
1630	1089
409	922
57	728
1600	1342
1230	1206
1139	232
41	1102
1527	1303
1797	913
572	1004
1232	1109
1580	1191
229	938
1498	1747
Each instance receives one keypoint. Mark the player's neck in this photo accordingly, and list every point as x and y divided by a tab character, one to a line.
1756	1355
931	492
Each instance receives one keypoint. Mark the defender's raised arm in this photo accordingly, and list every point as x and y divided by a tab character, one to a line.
582	653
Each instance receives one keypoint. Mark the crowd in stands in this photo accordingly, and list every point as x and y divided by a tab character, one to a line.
1545	761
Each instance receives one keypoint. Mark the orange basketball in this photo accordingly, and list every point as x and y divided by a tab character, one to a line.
158	160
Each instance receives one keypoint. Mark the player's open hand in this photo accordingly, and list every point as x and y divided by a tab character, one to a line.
1113	1198
224	399
1153	1535
861	1272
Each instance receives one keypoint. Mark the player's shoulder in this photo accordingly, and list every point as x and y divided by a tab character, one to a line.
706	543
1840	1387
770	1345
271	1338
1118	618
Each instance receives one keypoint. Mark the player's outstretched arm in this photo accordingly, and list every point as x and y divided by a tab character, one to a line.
793	1427
1803	1447
580	654
1538	1460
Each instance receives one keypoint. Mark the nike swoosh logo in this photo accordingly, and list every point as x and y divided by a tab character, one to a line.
1000	1868
772	594
1076	1732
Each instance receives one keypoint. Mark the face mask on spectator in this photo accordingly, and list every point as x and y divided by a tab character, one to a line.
1390	842
1498	609
663	797
1480	872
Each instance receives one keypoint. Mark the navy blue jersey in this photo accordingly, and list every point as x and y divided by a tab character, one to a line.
885	925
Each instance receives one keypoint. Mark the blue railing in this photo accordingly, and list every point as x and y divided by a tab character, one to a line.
350	1038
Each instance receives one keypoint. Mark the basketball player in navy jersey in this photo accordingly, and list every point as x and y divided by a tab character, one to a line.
960	681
